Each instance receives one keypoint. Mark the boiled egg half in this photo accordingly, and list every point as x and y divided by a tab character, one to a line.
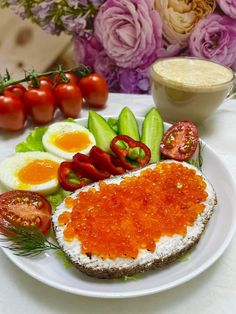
65	139
34	171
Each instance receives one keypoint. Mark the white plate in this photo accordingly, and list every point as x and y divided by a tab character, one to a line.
50	270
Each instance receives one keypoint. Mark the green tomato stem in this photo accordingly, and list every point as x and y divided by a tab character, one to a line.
82	71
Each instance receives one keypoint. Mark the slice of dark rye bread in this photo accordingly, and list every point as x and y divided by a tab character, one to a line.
168	249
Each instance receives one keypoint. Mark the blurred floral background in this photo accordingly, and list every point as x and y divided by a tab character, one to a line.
122	38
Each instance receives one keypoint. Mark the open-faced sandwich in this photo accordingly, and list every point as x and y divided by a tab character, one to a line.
135	222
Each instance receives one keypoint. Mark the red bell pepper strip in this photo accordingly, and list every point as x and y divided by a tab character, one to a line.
105	161
123	153
64	173
85	166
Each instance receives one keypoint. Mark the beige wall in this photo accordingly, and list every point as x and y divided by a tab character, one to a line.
23	45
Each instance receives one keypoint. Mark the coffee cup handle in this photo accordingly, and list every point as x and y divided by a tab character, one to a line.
232	92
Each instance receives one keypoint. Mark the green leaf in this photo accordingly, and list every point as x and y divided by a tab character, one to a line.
70	120
113	123
67	263
57	198
186	256
33	141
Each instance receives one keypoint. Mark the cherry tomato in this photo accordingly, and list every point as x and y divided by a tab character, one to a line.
94	89
72	77
18	89
25	209
69	99
40	104
12	112
44	81
180	141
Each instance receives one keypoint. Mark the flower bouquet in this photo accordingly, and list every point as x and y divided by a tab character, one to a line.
122	38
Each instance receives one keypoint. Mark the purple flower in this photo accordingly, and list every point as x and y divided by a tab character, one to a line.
228	7
86	50
130	32
215	38
74	24
17	8
51	28
107	67
76	3
134	81
43	10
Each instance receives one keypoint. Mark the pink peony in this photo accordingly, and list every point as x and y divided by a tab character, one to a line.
228	7
130	32
215	38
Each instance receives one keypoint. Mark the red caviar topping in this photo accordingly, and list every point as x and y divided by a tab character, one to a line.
64	218
70	202
120	219
69	232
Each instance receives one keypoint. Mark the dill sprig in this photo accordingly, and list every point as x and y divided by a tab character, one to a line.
198	161
26	241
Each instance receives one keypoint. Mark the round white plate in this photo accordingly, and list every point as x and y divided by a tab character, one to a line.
49	269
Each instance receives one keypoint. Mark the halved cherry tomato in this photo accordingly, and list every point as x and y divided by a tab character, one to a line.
12	112
17	89
44	82
40	104
94	89
72	78
68	99
24	209
180	141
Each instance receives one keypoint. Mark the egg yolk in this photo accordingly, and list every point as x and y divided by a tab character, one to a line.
38	171
72	141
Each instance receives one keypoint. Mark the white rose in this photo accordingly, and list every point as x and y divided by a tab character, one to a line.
180	16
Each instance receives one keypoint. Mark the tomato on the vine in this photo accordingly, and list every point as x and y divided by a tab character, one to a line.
44	82
180	141
17	89
12	112
94	89
72	78
68	99
40	104
24	209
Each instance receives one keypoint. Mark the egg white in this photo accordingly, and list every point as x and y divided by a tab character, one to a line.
60	128
10	167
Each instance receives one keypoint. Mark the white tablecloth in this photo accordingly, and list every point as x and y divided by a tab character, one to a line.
214	291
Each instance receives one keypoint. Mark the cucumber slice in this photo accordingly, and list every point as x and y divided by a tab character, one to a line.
127	124
113	123
152	132
101	130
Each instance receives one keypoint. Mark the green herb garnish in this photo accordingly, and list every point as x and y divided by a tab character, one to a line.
26	241
198	161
